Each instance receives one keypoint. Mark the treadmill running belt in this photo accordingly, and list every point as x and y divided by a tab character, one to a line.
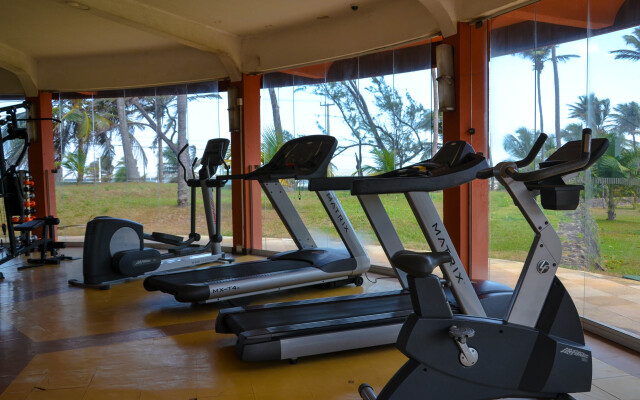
345	307
196	280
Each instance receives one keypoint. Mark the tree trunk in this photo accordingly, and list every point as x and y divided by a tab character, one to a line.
160	161
183	189
275	110
539	73
435	113
556	89
363	109
81	161
129	162
611	204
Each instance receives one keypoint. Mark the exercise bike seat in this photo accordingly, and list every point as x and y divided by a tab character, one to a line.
418	264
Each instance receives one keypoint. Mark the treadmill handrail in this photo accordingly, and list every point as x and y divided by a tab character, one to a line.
332	183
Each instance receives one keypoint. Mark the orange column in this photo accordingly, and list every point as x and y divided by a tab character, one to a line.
245	155
466	208
41	156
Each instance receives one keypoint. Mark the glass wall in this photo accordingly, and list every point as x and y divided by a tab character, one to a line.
117	156
559	67
379	107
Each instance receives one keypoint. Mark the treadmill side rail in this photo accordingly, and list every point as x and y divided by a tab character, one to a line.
269	282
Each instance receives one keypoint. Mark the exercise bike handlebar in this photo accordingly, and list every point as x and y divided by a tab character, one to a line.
533	152
488	172
547	172
558	169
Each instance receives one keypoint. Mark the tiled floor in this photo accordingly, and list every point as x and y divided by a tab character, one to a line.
61	342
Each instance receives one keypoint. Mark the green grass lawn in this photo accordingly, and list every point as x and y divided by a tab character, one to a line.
154	205
619	239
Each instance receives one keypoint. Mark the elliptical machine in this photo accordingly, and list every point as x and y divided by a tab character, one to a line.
538	348
114	249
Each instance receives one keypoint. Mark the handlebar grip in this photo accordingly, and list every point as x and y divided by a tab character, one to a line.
485	173
184	169
533	152
586	141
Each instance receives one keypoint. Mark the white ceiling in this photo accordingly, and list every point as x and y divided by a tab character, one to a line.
64	45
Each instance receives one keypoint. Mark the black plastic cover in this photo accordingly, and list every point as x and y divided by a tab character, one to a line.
454	164
214	153
305	157
96	256
136	262
560	197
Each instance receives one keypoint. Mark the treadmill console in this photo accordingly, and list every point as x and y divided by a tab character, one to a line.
452	156
454	164
301	158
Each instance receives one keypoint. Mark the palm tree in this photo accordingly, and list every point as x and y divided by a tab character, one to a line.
572	131
123	126
630	158
593	112
539	57
83	124
518	145
76	164
555	59
384	161
166	116
271	142
632	40
626	119
157	113
609	166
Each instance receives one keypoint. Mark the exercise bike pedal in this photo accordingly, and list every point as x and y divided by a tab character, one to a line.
468	355
366	392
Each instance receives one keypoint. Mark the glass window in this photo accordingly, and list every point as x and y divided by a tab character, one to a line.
559	67
117	156
379	107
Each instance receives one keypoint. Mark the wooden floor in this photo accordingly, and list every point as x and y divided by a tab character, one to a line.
62	342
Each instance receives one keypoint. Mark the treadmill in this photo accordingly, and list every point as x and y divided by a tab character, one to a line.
291	330
302	158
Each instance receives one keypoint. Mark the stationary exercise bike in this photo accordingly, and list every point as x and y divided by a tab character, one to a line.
538	348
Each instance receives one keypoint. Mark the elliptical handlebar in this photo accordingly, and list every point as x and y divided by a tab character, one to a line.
184	169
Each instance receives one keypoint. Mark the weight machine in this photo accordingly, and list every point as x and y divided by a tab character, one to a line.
16	186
